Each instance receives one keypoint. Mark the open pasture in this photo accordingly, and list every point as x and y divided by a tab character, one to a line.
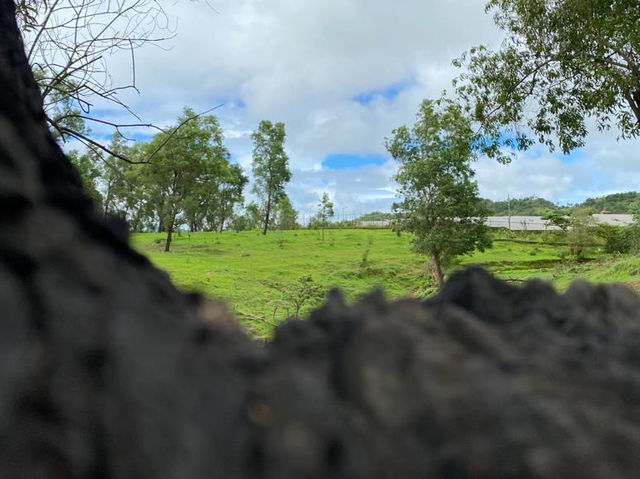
260	277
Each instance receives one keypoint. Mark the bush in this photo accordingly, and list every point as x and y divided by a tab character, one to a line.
617	239
557	219
363	267
304	290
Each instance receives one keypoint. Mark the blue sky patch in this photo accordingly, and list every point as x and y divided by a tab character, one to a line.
345	161
573	156
389	93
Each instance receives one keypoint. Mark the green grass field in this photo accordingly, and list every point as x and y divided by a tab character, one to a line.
256	275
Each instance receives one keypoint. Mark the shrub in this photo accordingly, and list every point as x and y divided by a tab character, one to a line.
617	239
364	262
297	294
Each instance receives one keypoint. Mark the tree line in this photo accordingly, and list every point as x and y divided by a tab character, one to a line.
616	203
184	177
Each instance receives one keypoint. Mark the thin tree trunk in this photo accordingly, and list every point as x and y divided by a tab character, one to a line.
161	227
167	245
170	228
438	267
266	218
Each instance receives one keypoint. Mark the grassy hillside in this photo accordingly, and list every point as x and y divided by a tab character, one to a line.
521	207
258	275
615	203
619	203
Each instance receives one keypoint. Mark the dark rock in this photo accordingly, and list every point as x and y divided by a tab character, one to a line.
106	370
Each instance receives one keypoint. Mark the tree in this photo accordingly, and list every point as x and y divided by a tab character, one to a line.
189	165
562	62
325	211
558	219
69	44
115	187
581	232
254	216
439	199
230	193
287	216
301	292
270	166
89	173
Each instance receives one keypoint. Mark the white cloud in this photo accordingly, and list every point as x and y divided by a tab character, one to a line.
302	62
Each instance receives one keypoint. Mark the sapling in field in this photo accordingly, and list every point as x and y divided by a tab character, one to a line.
325	211
303	291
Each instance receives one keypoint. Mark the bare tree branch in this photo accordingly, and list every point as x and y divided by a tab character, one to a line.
70	44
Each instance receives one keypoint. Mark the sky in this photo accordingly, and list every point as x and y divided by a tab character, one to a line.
341	75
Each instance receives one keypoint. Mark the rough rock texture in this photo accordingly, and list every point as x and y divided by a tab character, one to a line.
107	371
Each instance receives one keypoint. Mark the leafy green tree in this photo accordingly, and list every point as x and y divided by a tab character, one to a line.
252	217
558	219
617	239
287	216
581	232
187	165
439	199
90	173
215	194
305	290
270	166
562	62
239	222
115	187
230	193
138	196
325	211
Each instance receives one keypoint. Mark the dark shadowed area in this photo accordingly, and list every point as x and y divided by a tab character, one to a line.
106	370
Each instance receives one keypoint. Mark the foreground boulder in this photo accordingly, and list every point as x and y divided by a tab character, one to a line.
107	371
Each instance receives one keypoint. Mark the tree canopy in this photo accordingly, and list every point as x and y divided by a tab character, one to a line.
439	200
562	63
520	207
270	166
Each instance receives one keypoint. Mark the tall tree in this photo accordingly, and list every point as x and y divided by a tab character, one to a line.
270	166
230	193
325	211
562	62
185	166
439	199
115	187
